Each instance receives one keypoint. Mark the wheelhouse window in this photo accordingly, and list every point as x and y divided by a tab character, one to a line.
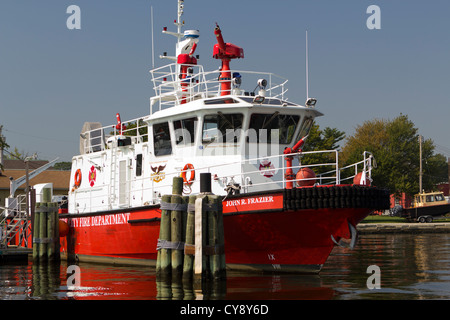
161	139
221	128
306	126
265	126
270	101
185	131
220	101
434	197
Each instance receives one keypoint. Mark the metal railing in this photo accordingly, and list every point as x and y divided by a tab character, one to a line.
170	90
14	221
237	174
100	139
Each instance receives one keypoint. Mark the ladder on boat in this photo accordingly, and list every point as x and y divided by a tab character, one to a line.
15	223
112	176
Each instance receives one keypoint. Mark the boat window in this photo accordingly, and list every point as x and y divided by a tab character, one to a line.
306	126
161	139
185	131
271	101
220	101
430	198
439	197
221	127
139	165
266	125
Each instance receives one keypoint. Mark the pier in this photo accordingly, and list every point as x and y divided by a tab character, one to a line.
14	254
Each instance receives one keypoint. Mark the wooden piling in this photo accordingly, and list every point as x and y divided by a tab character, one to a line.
51	230
43	232
36	230
57	237
201	233
176	229
184	215
221	235
215	248
46	195
163	264
189	250
191	241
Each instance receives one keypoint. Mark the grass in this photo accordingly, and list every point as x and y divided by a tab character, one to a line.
383	219
388	219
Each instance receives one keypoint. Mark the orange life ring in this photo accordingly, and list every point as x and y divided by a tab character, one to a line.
188	166
78	178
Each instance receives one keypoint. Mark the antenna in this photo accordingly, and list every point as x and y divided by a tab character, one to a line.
153	46
310	102
307	81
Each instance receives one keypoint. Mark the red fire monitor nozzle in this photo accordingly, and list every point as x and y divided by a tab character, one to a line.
225	52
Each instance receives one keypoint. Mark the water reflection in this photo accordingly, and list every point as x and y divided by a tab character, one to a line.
412	267
191	290
46	281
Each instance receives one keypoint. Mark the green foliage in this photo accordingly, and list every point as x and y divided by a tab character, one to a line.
16	154
326	139
395	146
132	130
64	166
3	144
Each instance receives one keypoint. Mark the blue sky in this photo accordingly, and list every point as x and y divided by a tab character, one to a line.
53	79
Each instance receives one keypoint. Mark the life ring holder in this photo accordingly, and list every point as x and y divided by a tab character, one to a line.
187	183
77	178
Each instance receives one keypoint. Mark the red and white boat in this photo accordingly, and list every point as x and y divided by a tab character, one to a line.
249	141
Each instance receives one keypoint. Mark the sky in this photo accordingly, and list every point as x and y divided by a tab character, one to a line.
53	79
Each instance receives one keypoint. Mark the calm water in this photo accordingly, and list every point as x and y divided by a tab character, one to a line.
412	267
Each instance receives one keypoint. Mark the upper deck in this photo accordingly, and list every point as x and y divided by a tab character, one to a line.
173	88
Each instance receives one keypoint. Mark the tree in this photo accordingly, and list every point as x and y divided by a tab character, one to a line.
63	166
395	146
3	144
16	154
326	139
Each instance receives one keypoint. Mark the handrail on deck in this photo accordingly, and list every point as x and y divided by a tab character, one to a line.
243	178
170	90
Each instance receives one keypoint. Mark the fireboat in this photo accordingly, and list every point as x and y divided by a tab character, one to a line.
239	126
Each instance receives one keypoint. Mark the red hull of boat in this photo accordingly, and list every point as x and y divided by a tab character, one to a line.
259	235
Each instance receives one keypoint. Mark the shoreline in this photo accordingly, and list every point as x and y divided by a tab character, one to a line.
380	228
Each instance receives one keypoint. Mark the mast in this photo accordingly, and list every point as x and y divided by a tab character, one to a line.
307	80
179	23
153	44
420	165
179	35
310	102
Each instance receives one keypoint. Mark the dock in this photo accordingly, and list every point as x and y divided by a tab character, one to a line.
380	228
14	253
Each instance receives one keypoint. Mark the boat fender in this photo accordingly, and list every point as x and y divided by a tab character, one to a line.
188	166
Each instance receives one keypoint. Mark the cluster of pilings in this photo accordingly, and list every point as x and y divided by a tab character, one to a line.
46	245
191	239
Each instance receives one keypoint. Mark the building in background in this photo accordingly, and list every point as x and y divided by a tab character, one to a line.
16	169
